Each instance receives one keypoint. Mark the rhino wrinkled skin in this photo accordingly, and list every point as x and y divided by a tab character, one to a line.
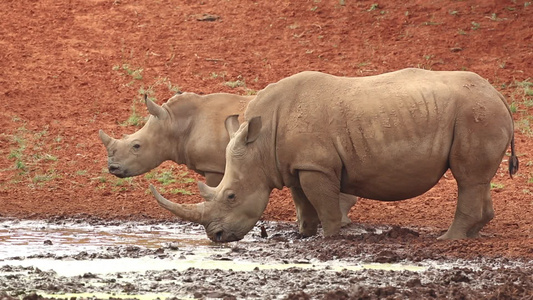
387	137
188	129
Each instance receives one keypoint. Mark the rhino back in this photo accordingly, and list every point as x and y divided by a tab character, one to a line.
378	134
198	121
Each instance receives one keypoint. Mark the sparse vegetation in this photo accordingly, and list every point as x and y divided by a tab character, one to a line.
180	191
475	25
495	185
170	177
234	84
373	7
126	69
521	98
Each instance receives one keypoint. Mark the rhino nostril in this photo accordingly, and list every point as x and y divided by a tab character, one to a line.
218	236
113	168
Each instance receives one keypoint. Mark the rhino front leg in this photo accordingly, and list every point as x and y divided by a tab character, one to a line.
474	210
305	213
323	193
346	202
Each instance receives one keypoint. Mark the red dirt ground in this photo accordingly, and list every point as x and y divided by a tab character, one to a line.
64	75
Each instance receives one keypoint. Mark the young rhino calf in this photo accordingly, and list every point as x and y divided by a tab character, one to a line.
188	129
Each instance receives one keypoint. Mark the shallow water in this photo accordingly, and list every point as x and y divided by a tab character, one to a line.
78	259
28	237
23	239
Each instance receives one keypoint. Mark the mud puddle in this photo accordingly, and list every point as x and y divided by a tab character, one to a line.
149	260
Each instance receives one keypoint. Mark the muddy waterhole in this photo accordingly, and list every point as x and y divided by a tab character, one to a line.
95	259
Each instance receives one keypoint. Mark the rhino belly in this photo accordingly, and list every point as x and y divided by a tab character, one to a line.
392	172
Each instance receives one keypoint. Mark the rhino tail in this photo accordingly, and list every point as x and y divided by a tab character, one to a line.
513	160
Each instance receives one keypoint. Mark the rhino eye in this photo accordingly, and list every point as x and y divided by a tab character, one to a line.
231	196
136	146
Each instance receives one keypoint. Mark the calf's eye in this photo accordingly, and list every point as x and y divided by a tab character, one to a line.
136	146
231	196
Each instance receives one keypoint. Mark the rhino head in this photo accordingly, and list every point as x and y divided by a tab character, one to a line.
236	204
141	151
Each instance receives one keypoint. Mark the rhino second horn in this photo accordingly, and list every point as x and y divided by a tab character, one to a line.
189	212
106	139
155	109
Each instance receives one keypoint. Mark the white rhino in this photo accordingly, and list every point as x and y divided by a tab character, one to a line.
387	137
188	129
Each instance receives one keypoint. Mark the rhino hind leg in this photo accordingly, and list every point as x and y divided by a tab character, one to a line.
323	193
474	210
305	212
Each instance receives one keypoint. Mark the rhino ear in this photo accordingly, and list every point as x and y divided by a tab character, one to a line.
207	192
232	124
254	128
154	109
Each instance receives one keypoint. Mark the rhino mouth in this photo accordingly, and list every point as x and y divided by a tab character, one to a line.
116	170
222	237
219	235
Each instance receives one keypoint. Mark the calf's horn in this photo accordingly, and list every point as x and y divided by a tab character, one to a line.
106	139
189	212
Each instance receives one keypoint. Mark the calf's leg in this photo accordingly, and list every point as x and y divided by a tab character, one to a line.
346	202
305	212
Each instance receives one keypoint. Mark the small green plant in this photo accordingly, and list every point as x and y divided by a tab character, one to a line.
461	32
234	84
454	13
134	119
41	179
373	7
513	107
18	153
475	25
123	181
524	125
166	178
494	185
81	172
126	69
180	191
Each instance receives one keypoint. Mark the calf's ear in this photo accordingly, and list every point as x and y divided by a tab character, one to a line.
232	124
155	109
254	128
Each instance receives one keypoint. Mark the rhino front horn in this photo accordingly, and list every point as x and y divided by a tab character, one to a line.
106	139
188	212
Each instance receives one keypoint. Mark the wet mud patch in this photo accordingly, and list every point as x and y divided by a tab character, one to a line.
175	260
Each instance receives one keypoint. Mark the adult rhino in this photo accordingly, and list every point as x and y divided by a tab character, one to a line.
188	129
387	137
